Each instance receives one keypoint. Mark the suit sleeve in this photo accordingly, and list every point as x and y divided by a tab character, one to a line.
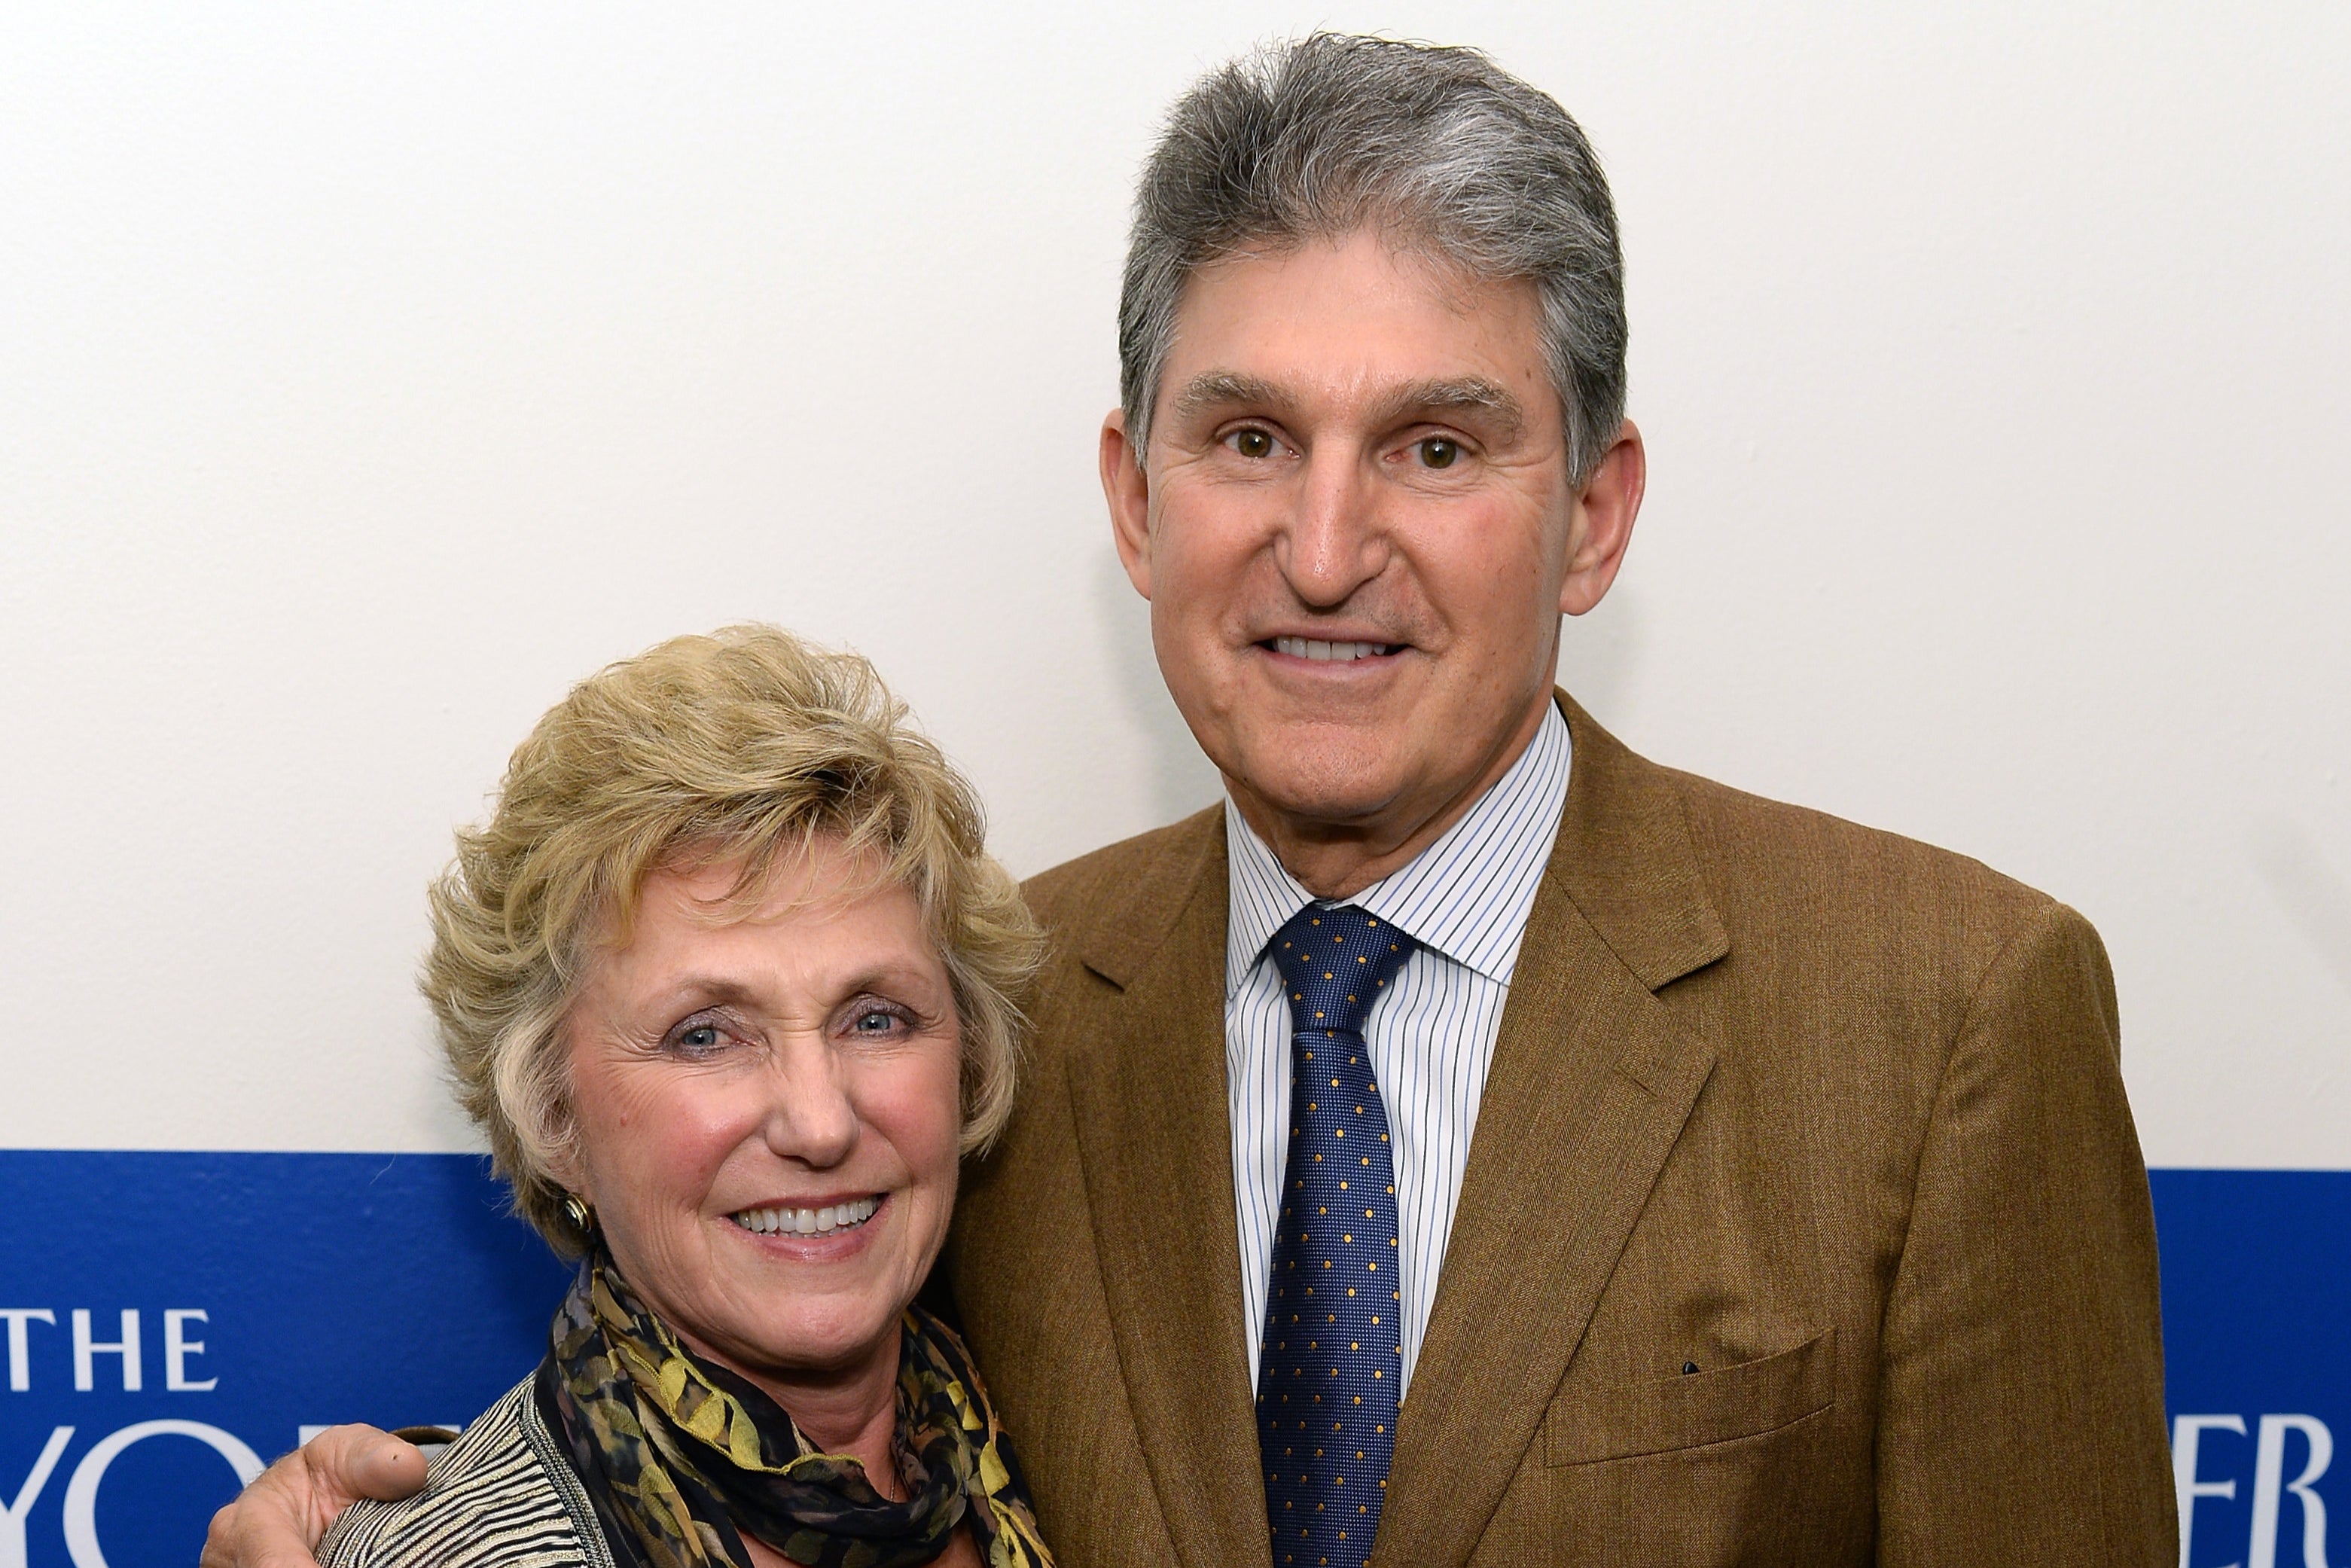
2020	1412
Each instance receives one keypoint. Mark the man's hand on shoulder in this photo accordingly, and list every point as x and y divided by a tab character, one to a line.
278	1521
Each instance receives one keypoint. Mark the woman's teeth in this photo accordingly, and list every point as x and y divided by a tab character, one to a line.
807	1221
1329	652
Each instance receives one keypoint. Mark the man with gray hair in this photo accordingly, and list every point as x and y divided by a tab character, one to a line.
1471	1143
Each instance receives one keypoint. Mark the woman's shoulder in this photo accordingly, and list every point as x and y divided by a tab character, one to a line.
501	1496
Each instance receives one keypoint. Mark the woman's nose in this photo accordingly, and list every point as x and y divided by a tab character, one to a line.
811	1118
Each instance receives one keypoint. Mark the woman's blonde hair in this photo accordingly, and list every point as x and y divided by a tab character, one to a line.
740	747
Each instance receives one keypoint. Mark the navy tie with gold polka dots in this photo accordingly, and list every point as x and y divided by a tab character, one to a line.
1327	1389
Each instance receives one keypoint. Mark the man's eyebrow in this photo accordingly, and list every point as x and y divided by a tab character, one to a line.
1451	394
1222	389
1460	394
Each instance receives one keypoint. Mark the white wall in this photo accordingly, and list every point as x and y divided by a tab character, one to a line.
368	374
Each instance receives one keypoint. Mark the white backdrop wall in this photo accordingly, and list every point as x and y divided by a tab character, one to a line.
369	374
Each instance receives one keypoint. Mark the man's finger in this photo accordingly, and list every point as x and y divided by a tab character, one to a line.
278	1521
347	1463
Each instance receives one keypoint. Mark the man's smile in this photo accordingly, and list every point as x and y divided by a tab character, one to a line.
1319	650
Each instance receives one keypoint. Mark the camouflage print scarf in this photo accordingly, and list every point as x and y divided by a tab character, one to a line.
680	1454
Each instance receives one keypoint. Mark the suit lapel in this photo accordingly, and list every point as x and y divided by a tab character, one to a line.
1591	1084
1156	1143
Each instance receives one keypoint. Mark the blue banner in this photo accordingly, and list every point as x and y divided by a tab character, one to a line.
2257	1351
171	1321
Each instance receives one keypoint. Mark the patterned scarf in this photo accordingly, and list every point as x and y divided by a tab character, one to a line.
682	1454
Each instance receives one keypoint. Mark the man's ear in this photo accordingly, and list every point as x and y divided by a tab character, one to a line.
1128	491
1602	524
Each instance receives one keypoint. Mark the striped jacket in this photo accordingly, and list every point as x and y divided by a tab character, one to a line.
501	1496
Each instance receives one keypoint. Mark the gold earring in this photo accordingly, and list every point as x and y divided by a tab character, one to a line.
583	1217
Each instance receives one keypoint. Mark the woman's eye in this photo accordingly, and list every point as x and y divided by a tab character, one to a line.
701	1037
1439	452
873	1020
1254	444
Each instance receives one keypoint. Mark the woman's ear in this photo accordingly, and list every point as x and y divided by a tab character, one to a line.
560	1162
566	1170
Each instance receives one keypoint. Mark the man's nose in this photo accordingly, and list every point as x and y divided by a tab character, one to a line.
811	1118
1334	542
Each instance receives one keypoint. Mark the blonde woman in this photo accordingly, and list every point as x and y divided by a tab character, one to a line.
730	983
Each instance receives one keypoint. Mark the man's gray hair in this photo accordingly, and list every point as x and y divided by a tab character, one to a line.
1438	147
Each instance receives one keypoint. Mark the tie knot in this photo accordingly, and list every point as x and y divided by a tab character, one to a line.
1335	962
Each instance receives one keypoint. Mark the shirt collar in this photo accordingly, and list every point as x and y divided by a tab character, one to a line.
1467	895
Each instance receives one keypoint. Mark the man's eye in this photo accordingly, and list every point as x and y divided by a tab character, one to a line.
1438	452
1252	443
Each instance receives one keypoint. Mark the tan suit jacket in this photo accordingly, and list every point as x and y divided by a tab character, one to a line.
1832	1116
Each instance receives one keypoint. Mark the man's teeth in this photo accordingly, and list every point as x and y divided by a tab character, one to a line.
1311	648
807	1221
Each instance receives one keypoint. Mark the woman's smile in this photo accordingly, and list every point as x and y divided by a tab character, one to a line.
828	1218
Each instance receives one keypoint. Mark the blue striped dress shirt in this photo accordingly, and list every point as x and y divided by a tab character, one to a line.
1465	899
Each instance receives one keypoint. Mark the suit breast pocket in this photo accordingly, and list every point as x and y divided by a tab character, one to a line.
1669	1413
